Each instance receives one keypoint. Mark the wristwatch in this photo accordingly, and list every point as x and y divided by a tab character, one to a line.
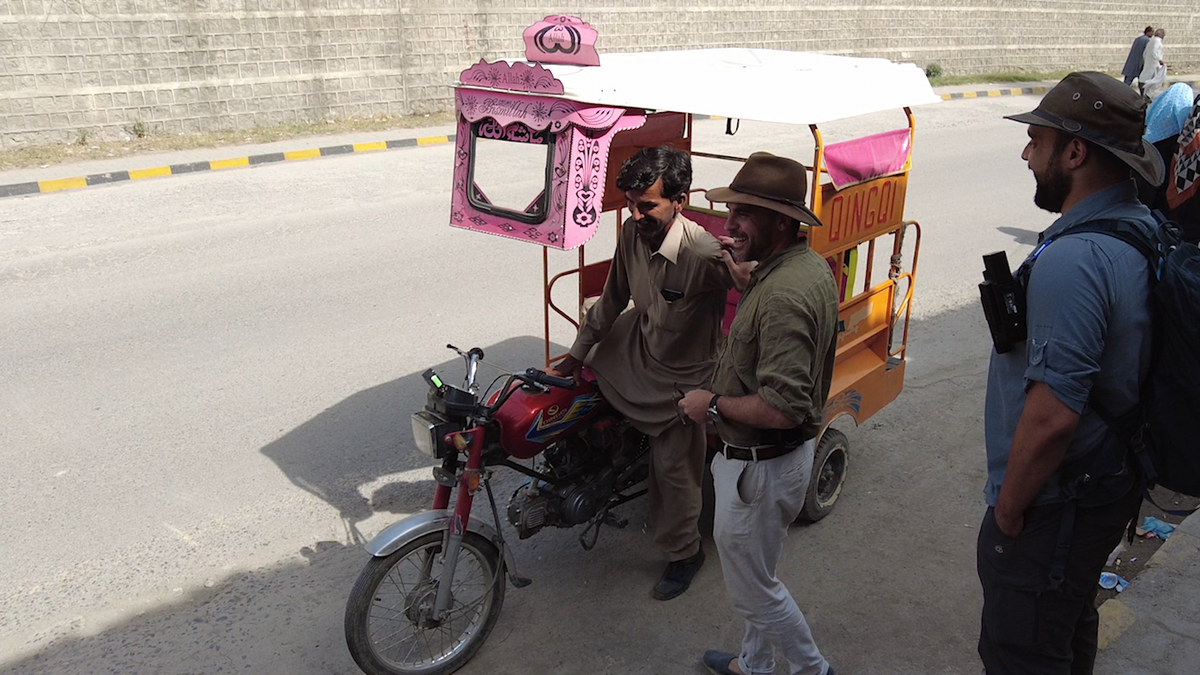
713	413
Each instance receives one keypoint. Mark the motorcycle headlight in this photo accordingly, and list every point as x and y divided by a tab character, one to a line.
428	431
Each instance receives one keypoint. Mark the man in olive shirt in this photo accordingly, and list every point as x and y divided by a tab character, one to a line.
767	400
676	275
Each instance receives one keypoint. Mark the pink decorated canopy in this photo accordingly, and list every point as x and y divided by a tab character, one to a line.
562	98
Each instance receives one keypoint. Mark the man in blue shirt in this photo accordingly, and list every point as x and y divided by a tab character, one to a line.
1045	536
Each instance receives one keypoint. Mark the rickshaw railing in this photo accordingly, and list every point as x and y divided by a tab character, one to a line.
713	155
548	302
905	305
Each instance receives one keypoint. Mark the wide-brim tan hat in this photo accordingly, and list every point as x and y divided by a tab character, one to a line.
1100	109
775	183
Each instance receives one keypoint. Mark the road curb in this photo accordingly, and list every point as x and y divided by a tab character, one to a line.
991	93
1038	90
74	182
1117	617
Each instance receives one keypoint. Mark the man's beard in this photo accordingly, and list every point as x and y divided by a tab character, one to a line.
1052	187
651	230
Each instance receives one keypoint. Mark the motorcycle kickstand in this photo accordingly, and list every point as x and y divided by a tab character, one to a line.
515	579
613	520
605	517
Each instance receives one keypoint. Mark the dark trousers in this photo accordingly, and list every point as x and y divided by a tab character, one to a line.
1027	628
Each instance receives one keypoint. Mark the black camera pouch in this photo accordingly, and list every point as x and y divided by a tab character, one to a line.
1003	299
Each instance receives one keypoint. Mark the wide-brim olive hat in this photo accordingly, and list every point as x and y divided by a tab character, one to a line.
1100	109
775	183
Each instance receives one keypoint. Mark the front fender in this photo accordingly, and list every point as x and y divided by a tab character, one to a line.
403	531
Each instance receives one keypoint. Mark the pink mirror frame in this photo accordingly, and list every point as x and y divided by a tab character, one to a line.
582	137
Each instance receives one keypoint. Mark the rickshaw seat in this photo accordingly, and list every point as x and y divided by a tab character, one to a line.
592	278
591	286
714	222
862	159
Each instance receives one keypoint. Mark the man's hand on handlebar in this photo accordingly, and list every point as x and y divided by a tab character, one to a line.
543	378
569	367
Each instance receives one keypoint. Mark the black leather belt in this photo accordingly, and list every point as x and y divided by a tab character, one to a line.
757	452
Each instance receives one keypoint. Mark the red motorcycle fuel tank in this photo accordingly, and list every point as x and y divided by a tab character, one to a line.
530	420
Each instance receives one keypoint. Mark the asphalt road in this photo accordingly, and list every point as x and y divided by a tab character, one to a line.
205	397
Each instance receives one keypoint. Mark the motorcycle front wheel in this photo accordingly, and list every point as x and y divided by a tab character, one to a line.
389	628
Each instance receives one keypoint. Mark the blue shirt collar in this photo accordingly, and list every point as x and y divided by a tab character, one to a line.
1092	207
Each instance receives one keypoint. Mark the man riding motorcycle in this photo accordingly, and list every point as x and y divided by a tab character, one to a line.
677	276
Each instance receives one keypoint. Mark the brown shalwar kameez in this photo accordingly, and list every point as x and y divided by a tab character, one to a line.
664	344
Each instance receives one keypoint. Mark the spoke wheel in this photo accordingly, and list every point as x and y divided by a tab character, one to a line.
830	461
390	628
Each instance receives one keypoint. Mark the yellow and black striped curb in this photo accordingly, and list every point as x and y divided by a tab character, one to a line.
57	184
990	93
43	186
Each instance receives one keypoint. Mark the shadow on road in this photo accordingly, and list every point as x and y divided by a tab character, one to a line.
281	620
368	436
898	552
1023	237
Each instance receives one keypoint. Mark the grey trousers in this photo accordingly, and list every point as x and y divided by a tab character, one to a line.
755	504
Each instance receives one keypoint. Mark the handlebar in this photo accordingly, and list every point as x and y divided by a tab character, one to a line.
532	377
541	377
473	357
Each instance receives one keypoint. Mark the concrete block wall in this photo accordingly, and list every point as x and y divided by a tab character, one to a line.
111	67
189	66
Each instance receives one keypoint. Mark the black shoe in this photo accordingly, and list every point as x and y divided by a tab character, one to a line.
678	576
717	662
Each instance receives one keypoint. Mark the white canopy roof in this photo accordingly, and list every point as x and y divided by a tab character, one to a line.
754	84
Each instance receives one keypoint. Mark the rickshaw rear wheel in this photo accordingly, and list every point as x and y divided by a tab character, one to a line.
830	460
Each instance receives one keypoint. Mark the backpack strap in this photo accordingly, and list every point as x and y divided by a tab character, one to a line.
1123	230
1113	227
1131	425
1062	546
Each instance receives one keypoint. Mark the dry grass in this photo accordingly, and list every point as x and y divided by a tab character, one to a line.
989	78
84	149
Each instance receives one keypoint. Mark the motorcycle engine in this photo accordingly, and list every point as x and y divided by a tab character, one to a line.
586	469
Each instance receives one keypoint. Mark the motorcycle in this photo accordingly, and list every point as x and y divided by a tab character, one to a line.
432	591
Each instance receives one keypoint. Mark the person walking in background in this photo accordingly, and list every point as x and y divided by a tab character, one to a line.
1152	58
1133	62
